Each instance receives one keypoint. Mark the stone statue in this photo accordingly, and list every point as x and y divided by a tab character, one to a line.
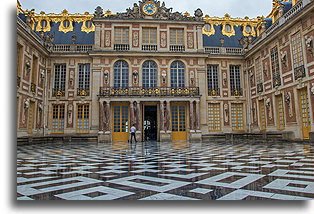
284	58
309	43
98	12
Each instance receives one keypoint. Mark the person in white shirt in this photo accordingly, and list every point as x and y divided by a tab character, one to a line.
133	131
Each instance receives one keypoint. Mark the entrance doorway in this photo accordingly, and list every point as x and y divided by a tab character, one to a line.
150	122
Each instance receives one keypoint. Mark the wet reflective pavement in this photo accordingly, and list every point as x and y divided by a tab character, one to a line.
165	171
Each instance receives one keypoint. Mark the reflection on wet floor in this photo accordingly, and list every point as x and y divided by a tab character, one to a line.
166	171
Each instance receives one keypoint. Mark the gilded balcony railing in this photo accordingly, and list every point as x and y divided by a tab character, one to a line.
276	80
299	72
82	92
237	92
214	92
33	87
149	92
57	92
260	88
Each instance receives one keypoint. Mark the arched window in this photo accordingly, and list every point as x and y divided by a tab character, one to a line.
177	74
149	72
121	74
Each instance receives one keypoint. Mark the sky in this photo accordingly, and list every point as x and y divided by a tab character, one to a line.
235	8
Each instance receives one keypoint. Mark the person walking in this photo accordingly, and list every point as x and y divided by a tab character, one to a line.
133	132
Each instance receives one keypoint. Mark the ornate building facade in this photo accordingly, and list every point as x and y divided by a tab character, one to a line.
175	76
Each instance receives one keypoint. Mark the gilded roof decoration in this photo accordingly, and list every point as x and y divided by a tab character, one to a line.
65	19
150	9
227	20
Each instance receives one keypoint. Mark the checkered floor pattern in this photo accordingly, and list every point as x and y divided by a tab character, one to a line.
165	171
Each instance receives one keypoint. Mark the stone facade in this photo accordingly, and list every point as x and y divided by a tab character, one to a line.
101	89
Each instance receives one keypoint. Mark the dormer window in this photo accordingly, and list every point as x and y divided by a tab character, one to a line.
228	28
43	23
66	23
88	24
248	29
207	27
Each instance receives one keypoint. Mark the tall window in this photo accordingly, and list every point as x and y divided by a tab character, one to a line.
149	36
212	80
82	118
60	75
235	80
121	74
275	67
176	36
297	50
121	35
19	59
149	72
58	118
84	76
280	112
214	118
258	70
34	69
237	116
177	74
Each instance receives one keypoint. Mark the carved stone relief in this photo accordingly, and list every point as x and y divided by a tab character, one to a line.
190	40
284	59
309	43
288	101
70	114
135	38
107	38
226	113
269	108
163	39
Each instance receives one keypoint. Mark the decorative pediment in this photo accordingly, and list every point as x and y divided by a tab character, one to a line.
150	9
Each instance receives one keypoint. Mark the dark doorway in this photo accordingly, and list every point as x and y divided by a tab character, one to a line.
150	122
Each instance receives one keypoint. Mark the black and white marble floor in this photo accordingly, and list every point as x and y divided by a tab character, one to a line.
165	171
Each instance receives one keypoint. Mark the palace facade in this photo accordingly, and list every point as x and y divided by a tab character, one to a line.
175	76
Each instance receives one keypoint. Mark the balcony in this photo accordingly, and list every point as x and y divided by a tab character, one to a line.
73	48
177	48
149	47
83	92
224	51
149	92
121	47
57	92
276	80
214	92
299	72
33	88
237	92
260	87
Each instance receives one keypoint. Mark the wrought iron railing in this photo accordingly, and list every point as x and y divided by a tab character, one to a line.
177	48
260	87
276	80
299	72
121	47
33	88
237	92
83	92
149	92
57	92
214	92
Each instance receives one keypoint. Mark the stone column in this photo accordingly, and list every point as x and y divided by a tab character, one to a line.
197	115
162	116
191	115
101	116
107	117
131	114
